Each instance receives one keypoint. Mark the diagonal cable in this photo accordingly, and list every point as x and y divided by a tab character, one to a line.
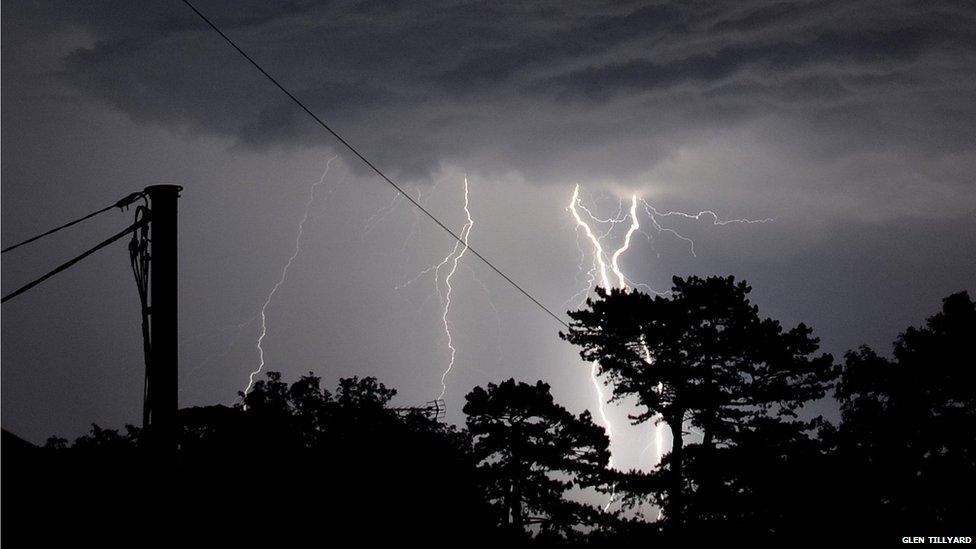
370	164
120	204
71	262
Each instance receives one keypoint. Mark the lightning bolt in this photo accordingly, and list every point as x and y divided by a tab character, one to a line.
599	259
634	226
284	273
379	215
236	330
465	233
601	265
653	214
445	290
601	272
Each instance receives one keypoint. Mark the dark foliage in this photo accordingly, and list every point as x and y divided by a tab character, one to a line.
298	465
703	358
531	451
294	465
906	447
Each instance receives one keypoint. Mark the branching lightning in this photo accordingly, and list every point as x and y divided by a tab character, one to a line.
465	233
600	273
600	261
445	289
284	273
653	214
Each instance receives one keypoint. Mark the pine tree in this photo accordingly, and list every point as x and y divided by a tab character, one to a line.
701	357
532	451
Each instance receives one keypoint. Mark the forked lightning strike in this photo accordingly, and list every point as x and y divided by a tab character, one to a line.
284	273
600	261
452	259
601	273
465	233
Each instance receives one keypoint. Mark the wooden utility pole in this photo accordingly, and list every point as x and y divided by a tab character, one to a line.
163	379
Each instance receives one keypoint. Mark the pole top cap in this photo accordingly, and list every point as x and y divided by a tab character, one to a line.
164	189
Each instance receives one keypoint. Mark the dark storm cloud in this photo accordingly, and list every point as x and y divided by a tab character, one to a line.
500	83
495	64
850	122
857	49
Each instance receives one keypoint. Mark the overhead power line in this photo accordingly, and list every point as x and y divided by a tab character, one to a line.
371	165
120	204
68	264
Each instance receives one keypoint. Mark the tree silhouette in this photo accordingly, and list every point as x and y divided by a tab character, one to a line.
766	483
532	451
296	464
907	439
703	356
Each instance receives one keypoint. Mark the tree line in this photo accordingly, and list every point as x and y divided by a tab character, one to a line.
297	462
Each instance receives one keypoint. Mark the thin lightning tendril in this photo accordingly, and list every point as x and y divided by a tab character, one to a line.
465	233
653	214
444	289
284	273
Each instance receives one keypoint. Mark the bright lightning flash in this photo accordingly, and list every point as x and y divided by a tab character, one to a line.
445	290
454	257
600	259
602	274
284	273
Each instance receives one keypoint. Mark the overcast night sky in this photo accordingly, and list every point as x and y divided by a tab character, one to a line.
851	124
